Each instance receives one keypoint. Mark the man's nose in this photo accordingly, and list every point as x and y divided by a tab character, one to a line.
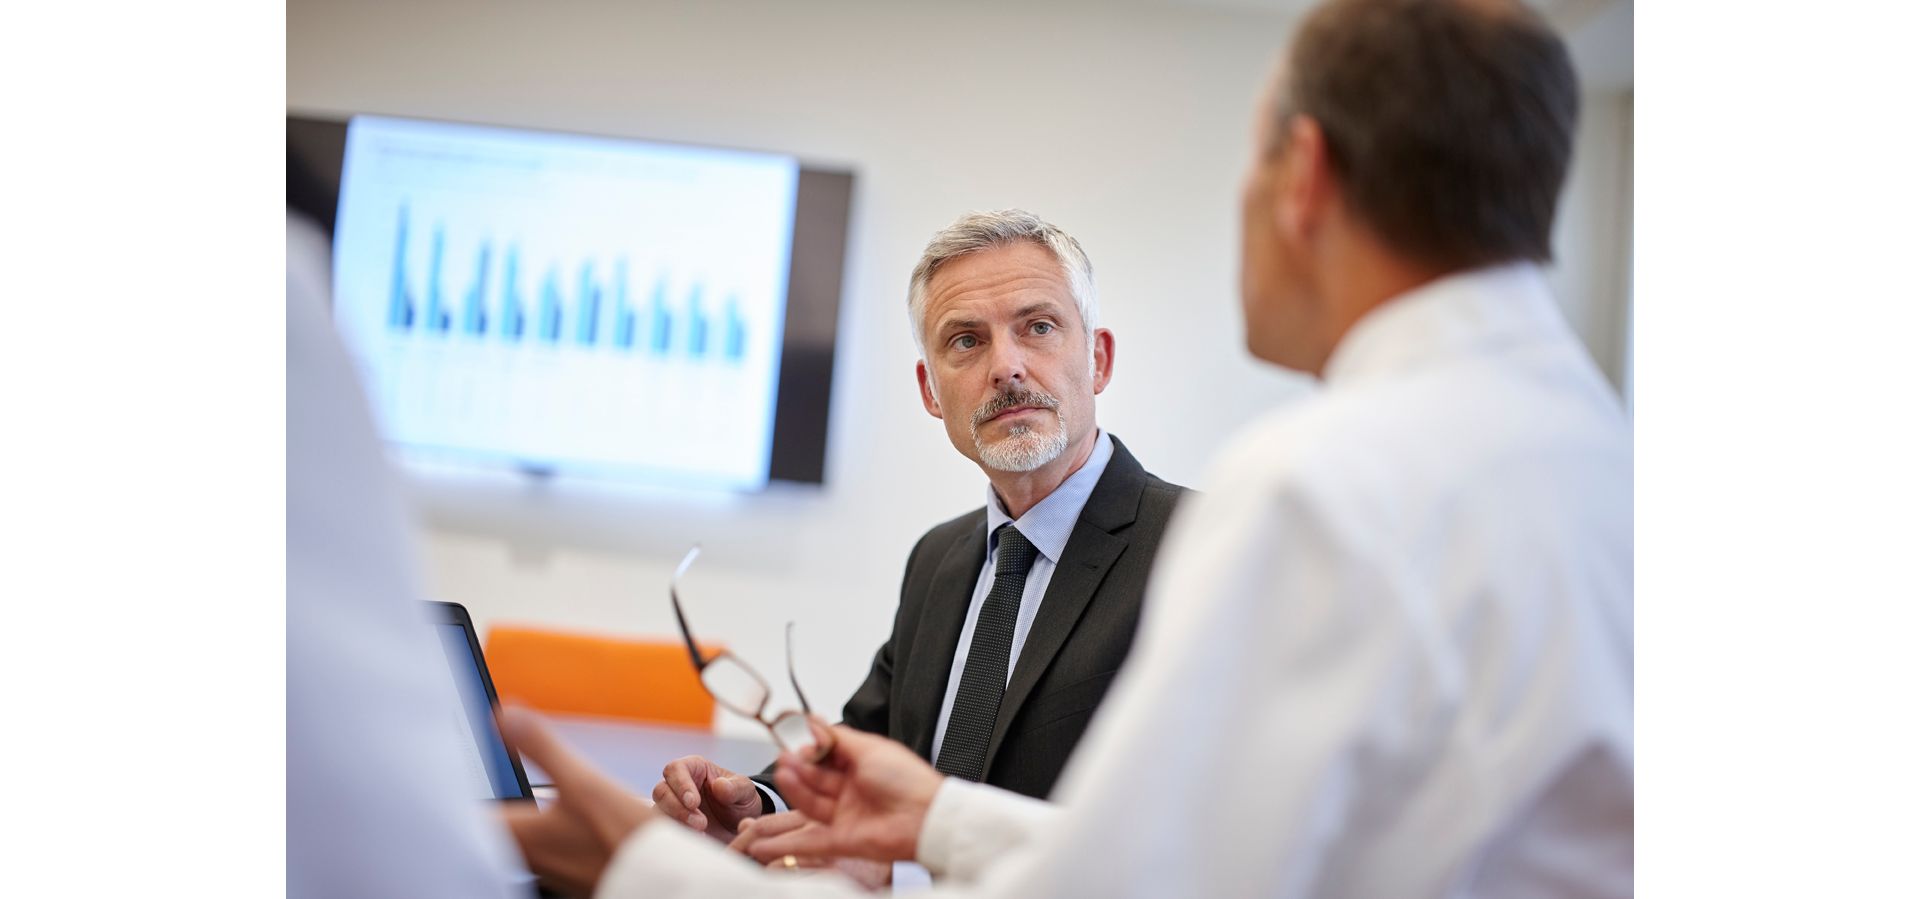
1009	364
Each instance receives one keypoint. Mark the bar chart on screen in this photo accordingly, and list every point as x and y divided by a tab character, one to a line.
564	302
602	310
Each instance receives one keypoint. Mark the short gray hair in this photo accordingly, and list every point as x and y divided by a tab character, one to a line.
978	231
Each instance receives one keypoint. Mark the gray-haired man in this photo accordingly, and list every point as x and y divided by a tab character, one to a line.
1014	617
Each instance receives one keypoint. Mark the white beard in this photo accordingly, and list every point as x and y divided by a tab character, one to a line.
1024	449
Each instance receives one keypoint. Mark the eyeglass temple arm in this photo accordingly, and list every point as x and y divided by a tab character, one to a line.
699	664
793	678
673	593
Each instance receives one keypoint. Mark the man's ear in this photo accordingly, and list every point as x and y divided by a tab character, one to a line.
927	397
1305	188
1102	359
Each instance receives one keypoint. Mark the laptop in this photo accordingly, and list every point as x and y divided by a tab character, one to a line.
492	768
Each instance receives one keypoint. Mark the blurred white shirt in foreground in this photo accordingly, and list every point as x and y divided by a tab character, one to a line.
375	802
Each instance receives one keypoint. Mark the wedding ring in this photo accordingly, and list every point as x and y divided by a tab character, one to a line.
790	862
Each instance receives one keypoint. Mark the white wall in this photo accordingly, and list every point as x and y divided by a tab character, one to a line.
1593	237
1125	124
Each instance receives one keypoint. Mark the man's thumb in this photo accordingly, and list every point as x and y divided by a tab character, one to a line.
722	787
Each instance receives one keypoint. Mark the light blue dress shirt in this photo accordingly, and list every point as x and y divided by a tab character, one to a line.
1047	526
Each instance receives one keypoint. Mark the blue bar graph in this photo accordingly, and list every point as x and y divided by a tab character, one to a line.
400	306
736	331
696	325
623	317
599	309
589	307
475	321
437	317
513	316
550	307
662	324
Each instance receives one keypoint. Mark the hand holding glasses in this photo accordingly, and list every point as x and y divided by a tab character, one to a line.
739	689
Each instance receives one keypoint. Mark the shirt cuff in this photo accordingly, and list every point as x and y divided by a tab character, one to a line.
969	825
779	805
909	877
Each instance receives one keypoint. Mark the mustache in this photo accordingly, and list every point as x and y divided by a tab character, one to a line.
1001	402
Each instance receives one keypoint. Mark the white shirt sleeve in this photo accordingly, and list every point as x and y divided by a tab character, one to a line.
374	804
971	825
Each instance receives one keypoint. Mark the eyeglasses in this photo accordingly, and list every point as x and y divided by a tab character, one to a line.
739	689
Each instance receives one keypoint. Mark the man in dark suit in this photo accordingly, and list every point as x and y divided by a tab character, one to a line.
1081	633
1013	618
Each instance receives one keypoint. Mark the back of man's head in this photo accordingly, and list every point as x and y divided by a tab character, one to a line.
1449	123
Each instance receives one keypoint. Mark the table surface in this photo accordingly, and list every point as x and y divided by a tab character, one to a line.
633	753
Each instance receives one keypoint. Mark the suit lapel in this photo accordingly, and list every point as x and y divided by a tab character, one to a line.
938	637
1090	552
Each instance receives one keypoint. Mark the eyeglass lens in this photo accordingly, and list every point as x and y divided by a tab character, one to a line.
735	686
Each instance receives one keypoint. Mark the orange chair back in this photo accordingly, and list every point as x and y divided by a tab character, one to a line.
609	677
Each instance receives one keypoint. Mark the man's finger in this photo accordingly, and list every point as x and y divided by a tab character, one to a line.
845	742
799	864
557	846
744	835
670	805
684	780
725	788
816	778
591	797
542	834
771	825
526	731
753	829
681	792
802	798
823	733
801	842
823	779
519	816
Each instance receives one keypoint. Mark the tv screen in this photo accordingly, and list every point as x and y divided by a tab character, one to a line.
571	304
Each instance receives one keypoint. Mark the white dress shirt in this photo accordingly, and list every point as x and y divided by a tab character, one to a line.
1387	652
375	803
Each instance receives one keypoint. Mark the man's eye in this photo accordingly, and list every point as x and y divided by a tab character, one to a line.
965	342
1043	327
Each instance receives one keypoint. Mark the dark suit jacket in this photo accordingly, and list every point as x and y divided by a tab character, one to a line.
1080	636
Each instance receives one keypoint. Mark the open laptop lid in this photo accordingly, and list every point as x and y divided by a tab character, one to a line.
491	766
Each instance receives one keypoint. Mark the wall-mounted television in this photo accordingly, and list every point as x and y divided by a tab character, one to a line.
579	305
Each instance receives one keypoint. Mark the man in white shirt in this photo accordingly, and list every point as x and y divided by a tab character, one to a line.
1396	632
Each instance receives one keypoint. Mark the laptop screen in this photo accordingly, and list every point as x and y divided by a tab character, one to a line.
488	768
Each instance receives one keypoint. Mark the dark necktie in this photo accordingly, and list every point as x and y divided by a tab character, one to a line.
963	751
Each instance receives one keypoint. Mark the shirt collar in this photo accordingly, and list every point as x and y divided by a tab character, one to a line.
1050	522
1438	319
